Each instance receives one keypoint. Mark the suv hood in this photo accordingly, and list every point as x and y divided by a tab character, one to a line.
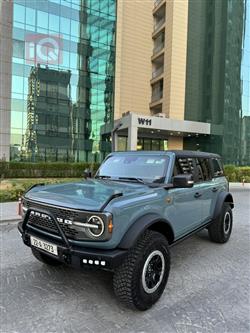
87	195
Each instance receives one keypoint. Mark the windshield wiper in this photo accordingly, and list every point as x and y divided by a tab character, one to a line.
103	177
138	180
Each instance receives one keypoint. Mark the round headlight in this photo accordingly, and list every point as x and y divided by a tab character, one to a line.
97	226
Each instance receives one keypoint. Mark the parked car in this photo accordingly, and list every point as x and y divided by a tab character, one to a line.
127	217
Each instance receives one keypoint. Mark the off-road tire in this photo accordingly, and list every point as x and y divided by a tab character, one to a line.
128	277
45	259
220	230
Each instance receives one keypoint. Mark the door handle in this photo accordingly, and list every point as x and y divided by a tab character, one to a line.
197	195
214	189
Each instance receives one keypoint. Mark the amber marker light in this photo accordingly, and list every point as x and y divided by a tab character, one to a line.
110	226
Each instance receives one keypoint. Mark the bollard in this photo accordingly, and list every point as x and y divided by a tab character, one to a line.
243	181
19	207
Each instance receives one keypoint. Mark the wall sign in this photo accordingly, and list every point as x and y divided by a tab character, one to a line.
144	121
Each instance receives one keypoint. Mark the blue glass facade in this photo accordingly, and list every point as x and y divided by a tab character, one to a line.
62	78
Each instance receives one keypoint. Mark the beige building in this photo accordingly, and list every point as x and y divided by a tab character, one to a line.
151	49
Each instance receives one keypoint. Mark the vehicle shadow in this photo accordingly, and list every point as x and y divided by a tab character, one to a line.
97	285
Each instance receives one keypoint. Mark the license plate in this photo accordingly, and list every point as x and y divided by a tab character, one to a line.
48	247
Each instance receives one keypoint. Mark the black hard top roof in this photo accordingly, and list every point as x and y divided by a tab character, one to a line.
178	153
185	153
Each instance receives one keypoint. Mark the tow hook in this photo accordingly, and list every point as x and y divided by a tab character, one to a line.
66	258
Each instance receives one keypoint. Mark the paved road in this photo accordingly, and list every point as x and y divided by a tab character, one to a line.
208	289
9	211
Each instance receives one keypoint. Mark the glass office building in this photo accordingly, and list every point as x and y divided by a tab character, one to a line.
213	79
63	54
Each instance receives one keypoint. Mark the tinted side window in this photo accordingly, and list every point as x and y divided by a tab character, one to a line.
202	171
183	165
198	173
217	167
205	167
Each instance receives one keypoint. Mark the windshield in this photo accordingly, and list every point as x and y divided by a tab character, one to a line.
151	168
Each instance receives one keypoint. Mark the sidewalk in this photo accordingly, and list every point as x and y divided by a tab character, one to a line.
238	185
9	211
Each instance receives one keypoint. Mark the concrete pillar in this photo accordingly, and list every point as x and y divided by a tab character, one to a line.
114	141
132	137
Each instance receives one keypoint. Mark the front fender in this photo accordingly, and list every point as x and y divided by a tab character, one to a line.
222	198
139	226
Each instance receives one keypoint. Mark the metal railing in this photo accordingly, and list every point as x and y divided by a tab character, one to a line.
158	24
156	96
157	72
158	47
157	2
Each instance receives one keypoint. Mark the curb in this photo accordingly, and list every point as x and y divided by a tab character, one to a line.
10	221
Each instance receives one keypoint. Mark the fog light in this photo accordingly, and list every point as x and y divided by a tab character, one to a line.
85	261
96	262
103	263
91	262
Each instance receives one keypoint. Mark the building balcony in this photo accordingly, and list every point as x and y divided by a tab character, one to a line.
158	48
156	96
158	24
161	29
159	21
157	55
157	75
156	103
157	72
158	4
157	91
157	69
156	110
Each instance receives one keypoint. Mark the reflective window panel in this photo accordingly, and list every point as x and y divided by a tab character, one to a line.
62	79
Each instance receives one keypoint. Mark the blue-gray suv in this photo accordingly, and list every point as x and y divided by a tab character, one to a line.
127	217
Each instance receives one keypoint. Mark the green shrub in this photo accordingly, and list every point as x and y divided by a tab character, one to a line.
44	170
247	179
236	174
232	177
17	189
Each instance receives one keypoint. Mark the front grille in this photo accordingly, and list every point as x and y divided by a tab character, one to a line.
47	224
43	223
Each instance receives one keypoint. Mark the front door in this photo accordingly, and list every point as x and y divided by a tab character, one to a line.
186	209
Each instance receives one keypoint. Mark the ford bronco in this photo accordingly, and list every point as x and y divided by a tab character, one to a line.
128	215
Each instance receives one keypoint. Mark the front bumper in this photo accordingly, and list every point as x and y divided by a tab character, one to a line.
75	256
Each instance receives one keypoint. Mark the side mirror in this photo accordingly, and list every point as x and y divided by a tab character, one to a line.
87	173
185	180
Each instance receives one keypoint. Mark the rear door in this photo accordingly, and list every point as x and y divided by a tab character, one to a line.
204	185
218	180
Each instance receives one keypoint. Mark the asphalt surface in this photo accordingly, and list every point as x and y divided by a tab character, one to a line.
9	211
208	288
